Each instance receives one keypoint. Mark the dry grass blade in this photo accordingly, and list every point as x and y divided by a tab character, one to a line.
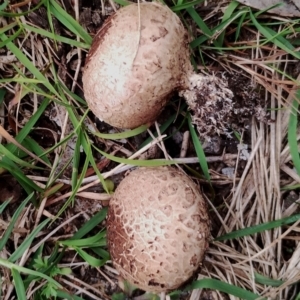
9	138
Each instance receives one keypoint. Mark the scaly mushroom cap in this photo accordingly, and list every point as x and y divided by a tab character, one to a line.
136	61
157	228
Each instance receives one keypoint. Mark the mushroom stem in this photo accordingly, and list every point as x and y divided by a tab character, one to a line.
210	101
202	88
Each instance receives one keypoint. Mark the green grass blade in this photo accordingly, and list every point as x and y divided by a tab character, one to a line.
203	38
12	222
76	161
56	37
58	144
8	27
34	147
28	185
290	187
13	158
70	109
90	224
259	228
297	296
292	133
202	25
18	283
3	206
4	5
224	287
163	127
65	295
92	261
267	9
239	27
138	162
199	149
123	2
24	132
69	22
227	14
265	32
267	281
87	242
185	5
28	64
50	22
280	37
23	13
2	95
122	135
53	260
120	296
38	253
9	265
74	96
88	151
9	40
27	242
77	184
20	80
101	252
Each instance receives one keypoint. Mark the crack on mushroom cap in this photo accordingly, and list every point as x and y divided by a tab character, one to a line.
157	228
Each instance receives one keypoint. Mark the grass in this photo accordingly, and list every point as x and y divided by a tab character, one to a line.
53	231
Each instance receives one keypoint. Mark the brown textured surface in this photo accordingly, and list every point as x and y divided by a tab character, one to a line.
131	71
157	228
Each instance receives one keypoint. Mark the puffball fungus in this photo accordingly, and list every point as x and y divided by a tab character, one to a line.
157	228
137	60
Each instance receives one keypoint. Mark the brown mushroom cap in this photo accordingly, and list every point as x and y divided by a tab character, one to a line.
157	228
137	59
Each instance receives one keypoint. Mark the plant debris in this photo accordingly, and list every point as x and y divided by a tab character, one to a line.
221	105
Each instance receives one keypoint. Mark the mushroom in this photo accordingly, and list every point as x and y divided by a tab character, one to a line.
157	228
139	57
